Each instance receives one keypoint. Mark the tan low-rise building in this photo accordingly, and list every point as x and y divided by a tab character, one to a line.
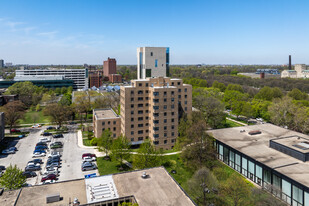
104	119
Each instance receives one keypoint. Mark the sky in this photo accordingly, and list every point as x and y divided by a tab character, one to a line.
197	31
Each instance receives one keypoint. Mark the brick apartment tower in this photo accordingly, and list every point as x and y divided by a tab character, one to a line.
110	70
151	109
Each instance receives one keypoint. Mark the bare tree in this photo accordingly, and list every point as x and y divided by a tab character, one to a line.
13	112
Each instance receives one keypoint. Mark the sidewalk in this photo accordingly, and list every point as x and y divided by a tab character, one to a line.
237	121
81	145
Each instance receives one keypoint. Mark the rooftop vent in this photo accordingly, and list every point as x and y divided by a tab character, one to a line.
145	176
53	198
302	145
255	132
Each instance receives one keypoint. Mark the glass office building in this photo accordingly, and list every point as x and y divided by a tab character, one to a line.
273	169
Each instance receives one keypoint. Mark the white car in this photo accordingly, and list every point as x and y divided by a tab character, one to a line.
31	163
54	154
47	182
36	125
89	159
38	154
47	172
44	139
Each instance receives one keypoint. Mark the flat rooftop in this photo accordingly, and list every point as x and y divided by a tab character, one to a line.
297	143
105	114
156	190
257	147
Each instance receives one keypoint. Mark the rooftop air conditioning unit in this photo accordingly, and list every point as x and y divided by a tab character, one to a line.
255	132
53	198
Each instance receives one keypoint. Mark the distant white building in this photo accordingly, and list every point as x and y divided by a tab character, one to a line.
152	62
79	76
300	71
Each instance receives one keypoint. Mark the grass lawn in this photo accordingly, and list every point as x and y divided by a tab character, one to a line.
34	117
106	167
86	142
230	123
183	174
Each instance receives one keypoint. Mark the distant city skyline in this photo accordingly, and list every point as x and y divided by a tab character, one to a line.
74	32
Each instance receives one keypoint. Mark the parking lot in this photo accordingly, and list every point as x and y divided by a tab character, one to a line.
71	155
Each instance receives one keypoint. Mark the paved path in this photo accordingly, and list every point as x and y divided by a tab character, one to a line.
237	121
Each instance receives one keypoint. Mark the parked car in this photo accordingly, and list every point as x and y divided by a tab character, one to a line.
55	158
15	130
52	169
32	168
13	148
48	182
2	167
38	154
36	161
41	143
39	151
89	159
88	155
52	164
21	136
44	139
50	161
50	128
47	172
34	164
58	136
46	134
36	125
88	166
29	174
42	147
55	145
7	151
49	177
54	154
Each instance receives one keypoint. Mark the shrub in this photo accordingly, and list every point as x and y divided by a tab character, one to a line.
94	141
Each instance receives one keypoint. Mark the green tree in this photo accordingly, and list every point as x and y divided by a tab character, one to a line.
105	141
297	94
235	87
202	186
236	190
218	85
147	156
12	178
268	93
13	111
120	150
58	113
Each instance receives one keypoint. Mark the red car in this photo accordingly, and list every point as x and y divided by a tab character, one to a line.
49	177
88	155
15	130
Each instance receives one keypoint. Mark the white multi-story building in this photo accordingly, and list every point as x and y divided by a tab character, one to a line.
300	71
152	62
79	76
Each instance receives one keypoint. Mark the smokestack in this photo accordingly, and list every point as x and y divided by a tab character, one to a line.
290	63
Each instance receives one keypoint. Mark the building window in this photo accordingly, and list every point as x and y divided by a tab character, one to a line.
114	122
178	83
155	107
172	127
151	54
173	140
172	106
179	96
140	112
140	99
155	114
165	127
132	99
140	84
186	102
172	83
132	119
132	112
140	105
132	132
146	84
147	111
108	122
165	114
140	118
147	117
165	134
165	106
140	132
140	92
156	128
156	94
147	91
140	125
114	128
172	99
147	98
155	142
185	108
114	135
132	92
156	136
156	121
140	138
155	100
179	90
147	131
165	99
185	96
147	104
165	93
172	92
173	113
132	125
147	124
132	105
103	123
173	134
165	120
103	129
186	89
165	141
132	139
